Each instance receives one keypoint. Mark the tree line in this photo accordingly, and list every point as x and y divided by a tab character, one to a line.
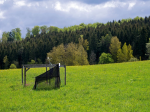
41	40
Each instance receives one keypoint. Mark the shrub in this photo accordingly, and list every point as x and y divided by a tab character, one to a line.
13	66
105	58
16	63
39	61
133	59
32	62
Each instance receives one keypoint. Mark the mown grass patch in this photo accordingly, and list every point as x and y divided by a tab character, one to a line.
109	87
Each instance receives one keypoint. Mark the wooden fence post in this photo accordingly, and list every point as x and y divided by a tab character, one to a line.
65	74
24	76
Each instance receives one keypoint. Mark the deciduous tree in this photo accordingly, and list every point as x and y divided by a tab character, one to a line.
125	52
71	54
28	32
120	55
35	30
12	66
16	34
44	29
105	58
57	54
5	37
114	47
83	42
130	52
6	62
82	56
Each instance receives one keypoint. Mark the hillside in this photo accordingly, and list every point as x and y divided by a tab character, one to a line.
135	32
108	87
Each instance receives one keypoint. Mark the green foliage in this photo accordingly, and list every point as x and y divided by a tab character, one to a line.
105	43
39	61
57	54
125	51
130	52
18	31
134	32
35	30
124	54
105	58
138	18
5	59
83	42
133	59
16	34
126	20
4	39
13	35
114	47
53	29
16	63
148	49
12	66
32	62
82	24
6	62
82	56
120	55
44	29
5	36
70	55
28	32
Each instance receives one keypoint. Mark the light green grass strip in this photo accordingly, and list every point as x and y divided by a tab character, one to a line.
123	87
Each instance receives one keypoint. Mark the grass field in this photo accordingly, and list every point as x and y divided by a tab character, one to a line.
123	87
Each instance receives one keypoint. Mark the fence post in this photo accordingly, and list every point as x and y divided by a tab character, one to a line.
22	74
65	74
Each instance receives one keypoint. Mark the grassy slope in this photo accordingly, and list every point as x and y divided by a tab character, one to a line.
110	87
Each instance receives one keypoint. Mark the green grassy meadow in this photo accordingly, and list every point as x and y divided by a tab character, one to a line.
121	87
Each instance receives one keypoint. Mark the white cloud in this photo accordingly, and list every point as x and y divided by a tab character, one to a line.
1	15
19	3
2	1
78	6
67	7
37	3
29	5
109	4
131	5
63	13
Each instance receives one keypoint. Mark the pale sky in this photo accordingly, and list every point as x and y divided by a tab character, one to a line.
64	13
